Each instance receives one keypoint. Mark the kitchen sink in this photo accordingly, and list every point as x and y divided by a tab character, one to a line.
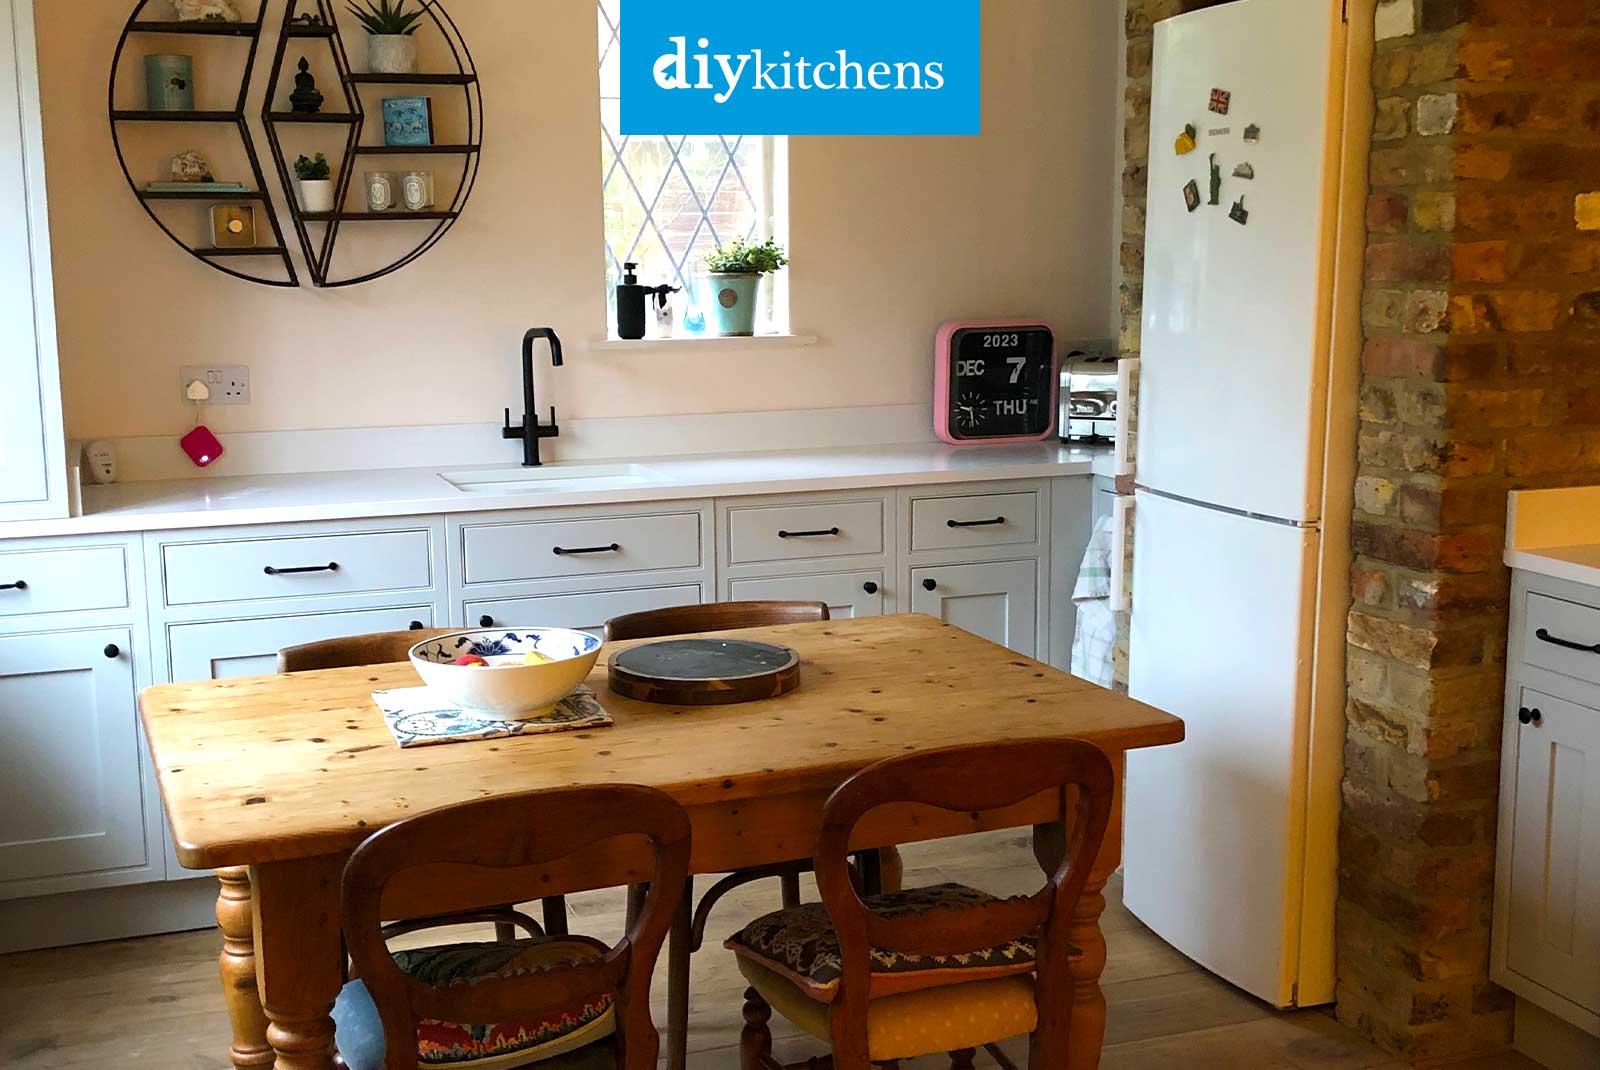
551	477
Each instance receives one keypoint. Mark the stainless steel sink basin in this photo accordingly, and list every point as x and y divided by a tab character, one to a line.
551	477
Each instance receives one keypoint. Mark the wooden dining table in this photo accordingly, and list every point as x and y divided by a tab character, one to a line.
272	781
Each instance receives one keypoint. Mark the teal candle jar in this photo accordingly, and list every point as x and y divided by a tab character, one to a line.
730	303
169	82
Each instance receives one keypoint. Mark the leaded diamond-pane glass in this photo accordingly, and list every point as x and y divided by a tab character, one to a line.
671	199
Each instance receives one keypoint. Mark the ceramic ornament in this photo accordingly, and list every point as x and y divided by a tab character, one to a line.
191	165
1216	181
1191	195
1187	141
206	11
1252	134
1221	100
1238	213
1244	171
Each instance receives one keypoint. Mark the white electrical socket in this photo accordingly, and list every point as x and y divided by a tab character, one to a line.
229	383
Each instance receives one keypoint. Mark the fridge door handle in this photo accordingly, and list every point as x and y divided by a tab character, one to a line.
1121	519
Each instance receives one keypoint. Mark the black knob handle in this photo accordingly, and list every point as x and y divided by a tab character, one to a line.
113	651
416	626
486	621
930	585
1527	716
870	587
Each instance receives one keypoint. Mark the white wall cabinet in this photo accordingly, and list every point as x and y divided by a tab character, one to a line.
998	600
32	449
1547	894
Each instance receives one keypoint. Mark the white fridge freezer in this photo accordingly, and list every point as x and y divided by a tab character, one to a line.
1245	468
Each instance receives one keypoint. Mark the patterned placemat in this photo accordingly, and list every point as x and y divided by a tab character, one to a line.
417	719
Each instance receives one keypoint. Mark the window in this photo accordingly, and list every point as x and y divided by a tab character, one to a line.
671	199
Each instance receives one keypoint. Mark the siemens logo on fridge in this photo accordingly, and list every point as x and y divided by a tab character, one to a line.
818	67
673	71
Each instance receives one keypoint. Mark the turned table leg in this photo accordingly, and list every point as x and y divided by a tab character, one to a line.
299	956
237	965
680	945
1087	1029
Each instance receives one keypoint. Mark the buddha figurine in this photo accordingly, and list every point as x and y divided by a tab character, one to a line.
306	98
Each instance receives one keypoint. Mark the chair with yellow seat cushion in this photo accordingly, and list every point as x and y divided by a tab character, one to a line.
558	1003
940	969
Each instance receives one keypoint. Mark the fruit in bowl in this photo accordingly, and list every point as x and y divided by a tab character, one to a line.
513	674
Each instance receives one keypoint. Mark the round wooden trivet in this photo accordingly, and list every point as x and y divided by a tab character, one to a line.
705	672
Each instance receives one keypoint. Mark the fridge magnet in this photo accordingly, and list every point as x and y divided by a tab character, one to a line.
1216	181
1221	100
1238	213
1245	171
1191	195
1252	134
1187	141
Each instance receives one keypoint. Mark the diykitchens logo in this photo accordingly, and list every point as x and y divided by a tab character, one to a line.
819	67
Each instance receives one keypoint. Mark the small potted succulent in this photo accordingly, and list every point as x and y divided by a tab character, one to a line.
315	179
391	46
732	283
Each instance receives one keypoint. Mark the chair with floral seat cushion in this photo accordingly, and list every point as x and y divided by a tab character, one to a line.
563	1003
940	969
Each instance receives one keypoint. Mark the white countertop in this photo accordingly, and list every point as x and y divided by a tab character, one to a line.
1556	533
281	499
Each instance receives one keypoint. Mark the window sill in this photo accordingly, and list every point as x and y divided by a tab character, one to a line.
711	342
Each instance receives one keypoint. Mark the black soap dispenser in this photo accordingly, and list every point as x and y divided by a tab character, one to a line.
632	301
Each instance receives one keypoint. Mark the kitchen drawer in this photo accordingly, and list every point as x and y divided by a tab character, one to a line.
554	549
979	520
797	532
1553	632
848	594
296	567
588	610
225	649
69	580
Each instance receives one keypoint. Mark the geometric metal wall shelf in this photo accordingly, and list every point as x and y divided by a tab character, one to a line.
320	236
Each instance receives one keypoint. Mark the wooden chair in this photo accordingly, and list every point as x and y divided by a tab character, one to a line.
387	648
512	998
377	648
943	969
723	617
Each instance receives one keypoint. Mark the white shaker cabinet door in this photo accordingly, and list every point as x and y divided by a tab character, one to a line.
32	468
71	787
1554	933
848	594
998	600
224	650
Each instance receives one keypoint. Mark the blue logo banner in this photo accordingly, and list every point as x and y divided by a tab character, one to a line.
812	67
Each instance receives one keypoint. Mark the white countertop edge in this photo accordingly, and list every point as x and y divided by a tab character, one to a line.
186	504
1578	564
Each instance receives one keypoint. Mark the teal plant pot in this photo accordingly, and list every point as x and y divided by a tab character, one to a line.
169	82
730	304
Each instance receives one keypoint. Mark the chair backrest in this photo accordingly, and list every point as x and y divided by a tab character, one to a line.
378	648
965	780
520	830
721	617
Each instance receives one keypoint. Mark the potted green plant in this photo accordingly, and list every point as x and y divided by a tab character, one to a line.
391	48
314	176
733	283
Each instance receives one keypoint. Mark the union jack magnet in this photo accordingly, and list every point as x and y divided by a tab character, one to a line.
1221	99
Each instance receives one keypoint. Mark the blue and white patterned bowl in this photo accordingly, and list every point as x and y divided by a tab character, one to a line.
507	689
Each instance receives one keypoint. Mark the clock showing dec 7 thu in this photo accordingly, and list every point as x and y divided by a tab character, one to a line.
995	382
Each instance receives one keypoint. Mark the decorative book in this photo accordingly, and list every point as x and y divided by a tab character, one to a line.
407	121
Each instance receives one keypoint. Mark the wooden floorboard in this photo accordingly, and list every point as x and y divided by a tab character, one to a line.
153	1004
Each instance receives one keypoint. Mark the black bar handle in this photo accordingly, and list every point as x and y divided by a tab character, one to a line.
975	523
562	551
1544	636
20	585
331	566
1527	716
808	534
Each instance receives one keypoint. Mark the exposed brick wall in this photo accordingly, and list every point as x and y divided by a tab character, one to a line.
1481	374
